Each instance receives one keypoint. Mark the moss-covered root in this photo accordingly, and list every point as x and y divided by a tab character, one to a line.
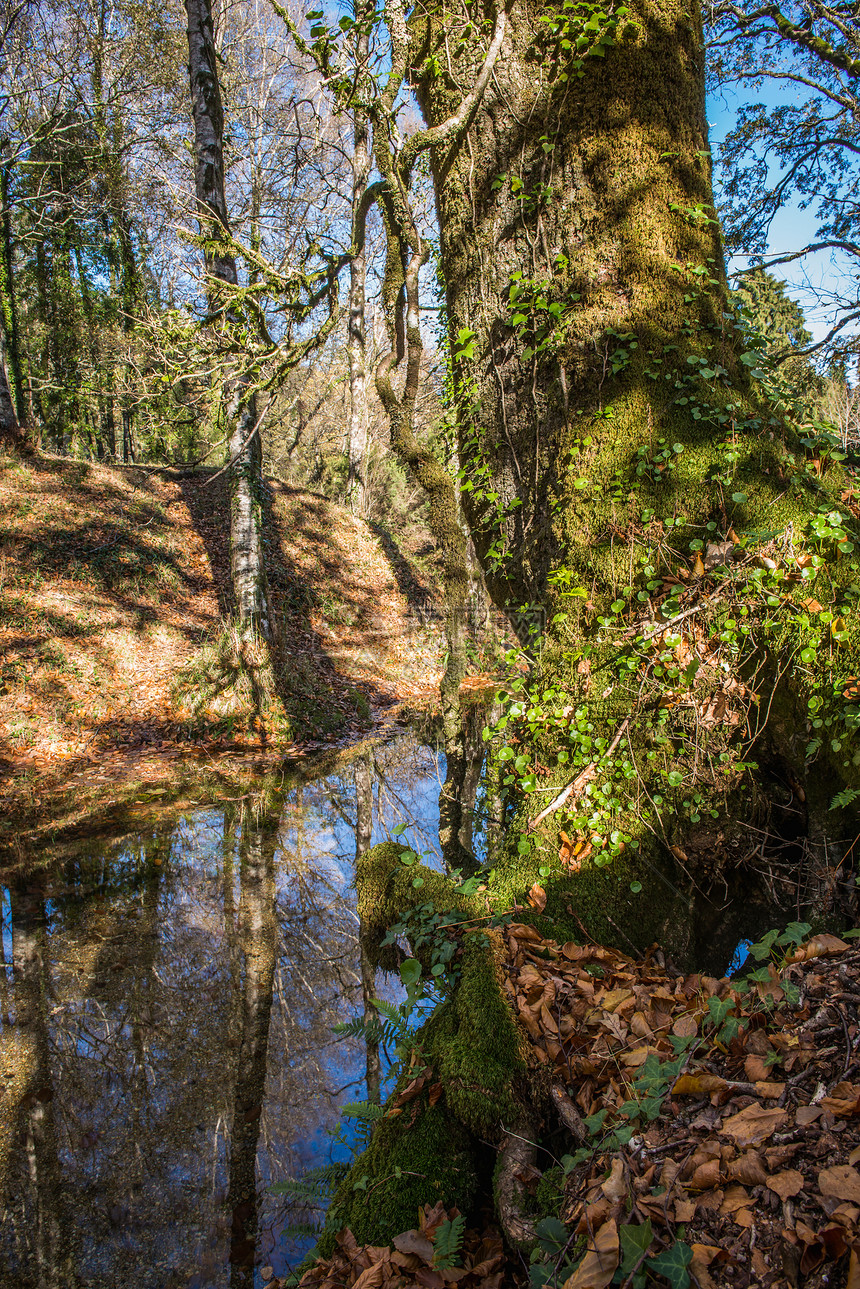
420	1153
413	1159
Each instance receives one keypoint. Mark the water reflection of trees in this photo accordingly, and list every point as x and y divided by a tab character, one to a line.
171	1008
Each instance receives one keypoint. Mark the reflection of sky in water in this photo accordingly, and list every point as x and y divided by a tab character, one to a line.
143	981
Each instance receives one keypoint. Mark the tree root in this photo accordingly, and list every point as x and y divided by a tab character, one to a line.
517	1156
569	1115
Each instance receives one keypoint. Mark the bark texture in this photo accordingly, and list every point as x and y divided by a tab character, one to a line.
356	325
569	185
605	418
243	438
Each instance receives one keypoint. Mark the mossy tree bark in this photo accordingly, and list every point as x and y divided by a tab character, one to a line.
606	420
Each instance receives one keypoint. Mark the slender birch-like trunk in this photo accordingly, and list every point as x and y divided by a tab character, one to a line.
250	589
357	332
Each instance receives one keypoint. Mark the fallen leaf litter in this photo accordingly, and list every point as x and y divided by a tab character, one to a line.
750	1166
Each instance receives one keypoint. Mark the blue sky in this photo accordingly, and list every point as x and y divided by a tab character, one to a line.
793	227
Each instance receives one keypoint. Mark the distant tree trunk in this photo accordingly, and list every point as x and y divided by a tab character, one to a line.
9	305
103	444
356	488
250	588
52	1261
130	282
257	933
11	432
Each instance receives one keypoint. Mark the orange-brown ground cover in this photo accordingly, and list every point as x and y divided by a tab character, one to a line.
710	1131
114	586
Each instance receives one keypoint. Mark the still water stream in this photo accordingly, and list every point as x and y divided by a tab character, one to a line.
167	1011
167	999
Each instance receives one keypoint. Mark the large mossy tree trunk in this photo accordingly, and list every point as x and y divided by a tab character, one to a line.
623	474
610	432
562	229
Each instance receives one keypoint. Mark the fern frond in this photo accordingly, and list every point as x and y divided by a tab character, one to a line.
317	1184
844	798
448	1241
349	1028
368	1111
393	1014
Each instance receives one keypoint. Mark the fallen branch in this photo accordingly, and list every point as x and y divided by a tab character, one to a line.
585	776
517	1155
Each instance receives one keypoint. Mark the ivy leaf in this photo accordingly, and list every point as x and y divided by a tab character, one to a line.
635	1241
672	1263
552	1236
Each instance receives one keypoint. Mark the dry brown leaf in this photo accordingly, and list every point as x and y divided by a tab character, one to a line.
414	1242
685	1026
537	897
841	1182
597	1268
853	1281
427	1277
753	1125
755	1068
807	1114
685	1210
411	1090
844	1100
697	1085
820	946
769	1088
736	1197
748	1169
615	1187
372	1277
706	1176
787	1183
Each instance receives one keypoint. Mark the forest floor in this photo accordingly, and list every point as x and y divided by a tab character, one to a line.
707	1131
115	666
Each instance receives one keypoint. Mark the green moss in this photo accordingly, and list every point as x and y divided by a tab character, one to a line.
549	1193
482	1057
436	1157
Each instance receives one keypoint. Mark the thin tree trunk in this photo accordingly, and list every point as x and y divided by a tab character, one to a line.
51	1260
257	938
250	589
9	304
356	488
11	431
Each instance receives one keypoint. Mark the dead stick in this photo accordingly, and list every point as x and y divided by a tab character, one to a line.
585	776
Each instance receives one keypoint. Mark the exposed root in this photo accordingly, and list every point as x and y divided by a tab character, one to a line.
569	1115
517	1158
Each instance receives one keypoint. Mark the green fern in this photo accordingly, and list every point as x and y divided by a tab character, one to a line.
448	1241
393	1014
366	1111
316	1186
845	798
355	1028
